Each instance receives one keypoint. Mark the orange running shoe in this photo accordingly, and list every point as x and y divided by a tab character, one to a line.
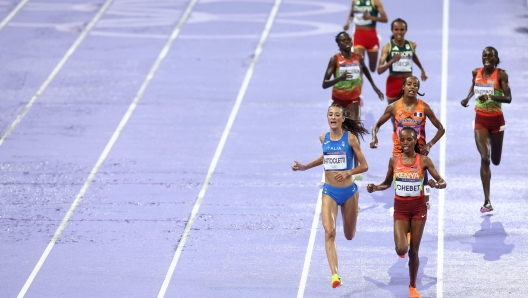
409	238
414	293
336	281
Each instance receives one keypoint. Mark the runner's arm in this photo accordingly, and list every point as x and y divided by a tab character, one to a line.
439	133
465	101
383	64
427	163
330	70
389	111
366	72
416	61
388	179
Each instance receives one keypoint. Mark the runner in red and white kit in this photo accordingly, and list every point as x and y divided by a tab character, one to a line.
365	14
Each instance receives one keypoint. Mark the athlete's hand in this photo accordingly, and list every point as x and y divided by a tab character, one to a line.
464	102
425	149
346	27
380	94
483	98
396	58
374	143
366	16
344	75
424	76
297	166
440	184
371	188
340	176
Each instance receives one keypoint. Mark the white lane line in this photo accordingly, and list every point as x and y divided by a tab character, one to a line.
311	243
55	71
13	13
219	149
108	147
442	166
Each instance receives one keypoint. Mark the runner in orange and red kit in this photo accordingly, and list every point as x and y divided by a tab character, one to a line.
409	111
406	170
491	87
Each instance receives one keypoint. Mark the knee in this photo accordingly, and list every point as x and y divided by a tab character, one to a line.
485	159
330	233
413	253
401	250
350	235
496	161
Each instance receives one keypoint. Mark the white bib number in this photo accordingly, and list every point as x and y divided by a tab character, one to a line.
335	161
358	19
403	65
480	89
408	189
353	71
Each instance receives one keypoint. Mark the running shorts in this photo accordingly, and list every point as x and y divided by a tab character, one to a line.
340	194
346	103
410	209
394	86
494	124
367	39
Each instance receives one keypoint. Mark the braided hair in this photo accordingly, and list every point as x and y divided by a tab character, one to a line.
415	135
354	126
339	34
403	84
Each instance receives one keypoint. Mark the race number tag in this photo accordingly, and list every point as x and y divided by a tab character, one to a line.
353	71
335	161
480	89
358	19
403	65
408	188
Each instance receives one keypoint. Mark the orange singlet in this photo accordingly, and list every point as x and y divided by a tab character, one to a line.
415	119
349	90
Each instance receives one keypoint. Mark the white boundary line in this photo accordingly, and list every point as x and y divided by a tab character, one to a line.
109	145
443	119
55	70
13	13
219	149
311	243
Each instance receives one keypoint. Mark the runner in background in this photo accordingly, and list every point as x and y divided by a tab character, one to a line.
347	68
398	56
490	85
365	14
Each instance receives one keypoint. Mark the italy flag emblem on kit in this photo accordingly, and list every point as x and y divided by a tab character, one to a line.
418	114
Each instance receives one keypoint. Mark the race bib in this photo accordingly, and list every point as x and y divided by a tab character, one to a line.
358	19
335	161
403	65
408	188
353	71
480	89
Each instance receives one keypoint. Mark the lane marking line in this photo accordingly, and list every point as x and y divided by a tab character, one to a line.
109	145
56	70
13	13
311	243
442	166
219	149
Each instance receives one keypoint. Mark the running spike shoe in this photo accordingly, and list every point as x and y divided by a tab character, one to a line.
336	281
486	208
414	293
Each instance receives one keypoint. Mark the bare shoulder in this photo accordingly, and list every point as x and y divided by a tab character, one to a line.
322	137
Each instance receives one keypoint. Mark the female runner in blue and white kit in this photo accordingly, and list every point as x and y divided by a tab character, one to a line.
340	147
